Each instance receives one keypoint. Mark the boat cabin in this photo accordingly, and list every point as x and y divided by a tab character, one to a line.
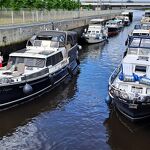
140	32
52	39
114	23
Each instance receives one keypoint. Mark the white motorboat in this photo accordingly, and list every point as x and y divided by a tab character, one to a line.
96	32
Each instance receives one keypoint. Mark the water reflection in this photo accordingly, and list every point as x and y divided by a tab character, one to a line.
125	135
75	116
19	116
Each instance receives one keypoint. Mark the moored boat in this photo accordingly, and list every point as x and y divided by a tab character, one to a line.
129	84
128	14
114	26
146	17
48	59
96	32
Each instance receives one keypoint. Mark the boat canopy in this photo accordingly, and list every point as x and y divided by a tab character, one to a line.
63	37
98	20
114	21
125	13
139	42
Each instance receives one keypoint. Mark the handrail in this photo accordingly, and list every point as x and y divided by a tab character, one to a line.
134	97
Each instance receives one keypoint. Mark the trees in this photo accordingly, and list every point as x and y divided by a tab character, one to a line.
40	4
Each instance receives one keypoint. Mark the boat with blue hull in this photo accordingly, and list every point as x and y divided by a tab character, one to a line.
48	59
129	84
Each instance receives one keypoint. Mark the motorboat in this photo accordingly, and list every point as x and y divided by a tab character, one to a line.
140	32
114	26
128	14
146	17
129	84
96	32
125	20
48	59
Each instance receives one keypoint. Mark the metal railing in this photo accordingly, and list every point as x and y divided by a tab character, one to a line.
22	17
123	95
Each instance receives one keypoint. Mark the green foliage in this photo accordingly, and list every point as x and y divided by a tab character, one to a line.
40	4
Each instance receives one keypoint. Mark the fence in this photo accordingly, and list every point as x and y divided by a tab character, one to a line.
23	17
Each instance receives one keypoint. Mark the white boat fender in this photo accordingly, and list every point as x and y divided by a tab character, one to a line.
27	89
108	100
79	47
70	71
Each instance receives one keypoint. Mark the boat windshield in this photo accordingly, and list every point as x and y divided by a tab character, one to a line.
30	62
147	14
45	43
143	51
145	26
132	51
139	51
135	42
139	42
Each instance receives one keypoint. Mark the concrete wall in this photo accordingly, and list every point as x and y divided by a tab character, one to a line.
14	34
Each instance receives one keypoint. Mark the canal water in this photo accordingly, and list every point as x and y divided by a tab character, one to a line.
75	115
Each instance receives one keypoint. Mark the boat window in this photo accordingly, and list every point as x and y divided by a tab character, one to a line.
135	89
44	38
140	68
29	43
132	51
53	60
136	34
37	43
147	14
144	34
145	43
93	32
146	27
97	31
143	51
54	44
135	42
89	31
137	27
30	62
148	91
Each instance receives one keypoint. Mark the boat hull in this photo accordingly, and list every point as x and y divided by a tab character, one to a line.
133	111
113	31
14	94
94	41
126	23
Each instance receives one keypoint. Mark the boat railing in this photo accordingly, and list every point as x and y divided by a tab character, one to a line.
132	97
35	75
122	94
10	80
114	74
